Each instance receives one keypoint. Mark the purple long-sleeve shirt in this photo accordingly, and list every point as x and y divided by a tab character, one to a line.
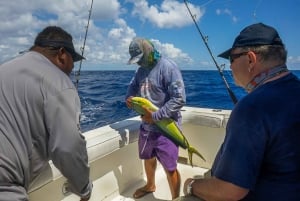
163	86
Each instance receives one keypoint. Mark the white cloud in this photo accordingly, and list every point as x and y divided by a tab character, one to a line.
105	10
21	21
227	12
108	36
169	14
113	47
293	59
170	51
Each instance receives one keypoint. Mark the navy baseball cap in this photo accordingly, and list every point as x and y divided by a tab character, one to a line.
255	34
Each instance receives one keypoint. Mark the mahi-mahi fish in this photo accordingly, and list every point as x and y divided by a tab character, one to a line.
167	125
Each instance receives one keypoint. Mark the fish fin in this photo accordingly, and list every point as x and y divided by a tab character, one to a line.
190	158
192	150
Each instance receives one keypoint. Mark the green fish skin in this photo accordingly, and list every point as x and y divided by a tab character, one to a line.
167	125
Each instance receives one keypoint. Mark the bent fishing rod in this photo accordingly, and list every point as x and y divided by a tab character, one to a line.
231	94
77	74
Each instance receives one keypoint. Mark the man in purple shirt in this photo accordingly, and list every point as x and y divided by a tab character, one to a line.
159	80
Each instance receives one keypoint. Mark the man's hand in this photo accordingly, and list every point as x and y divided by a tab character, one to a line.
128	101
147	117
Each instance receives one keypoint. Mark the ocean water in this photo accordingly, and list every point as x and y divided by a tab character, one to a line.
102	94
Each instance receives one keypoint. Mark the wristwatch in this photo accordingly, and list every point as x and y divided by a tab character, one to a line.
189	188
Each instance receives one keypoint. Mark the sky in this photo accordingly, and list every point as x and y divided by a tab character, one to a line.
167	23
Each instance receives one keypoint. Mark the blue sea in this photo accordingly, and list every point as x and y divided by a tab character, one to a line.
102	94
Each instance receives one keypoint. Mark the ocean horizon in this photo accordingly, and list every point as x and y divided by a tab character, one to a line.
102	93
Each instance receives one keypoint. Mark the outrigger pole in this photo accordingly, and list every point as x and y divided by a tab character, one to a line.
232	96
77	74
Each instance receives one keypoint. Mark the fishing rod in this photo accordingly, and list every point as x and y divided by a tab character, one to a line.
231	94
77	74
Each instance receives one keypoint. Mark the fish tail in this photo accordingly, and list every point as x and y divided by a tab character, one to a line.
191	151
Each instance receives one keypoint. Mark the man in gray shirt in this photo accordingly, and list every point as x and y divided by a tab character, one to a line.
39	117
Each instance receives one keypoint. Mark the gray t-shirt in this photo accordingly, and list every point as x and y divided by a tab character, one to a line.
39	121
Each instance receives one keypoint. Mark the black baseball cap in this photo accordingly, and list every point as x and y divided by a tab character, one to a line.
67	44
255	34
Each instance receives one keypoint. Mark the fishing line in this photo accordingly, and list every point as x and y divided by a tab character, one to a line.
254	12
231	94
77	74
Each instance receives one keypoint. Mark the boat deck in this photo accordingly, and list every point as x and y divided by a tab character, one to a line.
162	192
115	167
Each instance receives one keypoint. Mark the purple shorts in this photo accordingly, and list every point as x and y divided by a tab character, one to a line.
155	144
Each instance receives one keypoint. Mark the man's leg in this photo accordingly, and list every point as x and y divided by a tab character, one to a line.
174	182
150	167
167	154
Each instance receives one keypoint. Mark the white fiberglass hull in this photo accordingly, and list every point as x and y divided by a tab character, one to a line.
117	171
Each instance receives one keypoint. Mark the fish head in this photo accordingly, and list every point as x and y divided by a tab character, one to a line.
139	104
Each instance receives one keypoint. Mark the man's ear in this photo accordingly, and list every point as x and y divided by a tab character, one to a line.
252	57
61	56
60	59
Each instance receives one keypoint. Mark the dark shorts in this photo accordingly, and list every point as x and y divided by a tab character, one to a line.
155	144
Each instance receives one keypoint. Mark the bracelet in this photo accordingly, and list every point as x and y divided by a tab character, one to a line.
189	188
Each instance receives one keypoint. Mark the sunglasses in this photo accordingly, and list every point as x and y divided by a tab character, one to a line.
232	57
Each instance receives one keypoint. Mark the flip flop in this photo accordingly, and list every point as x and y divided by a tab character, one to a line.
141	192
